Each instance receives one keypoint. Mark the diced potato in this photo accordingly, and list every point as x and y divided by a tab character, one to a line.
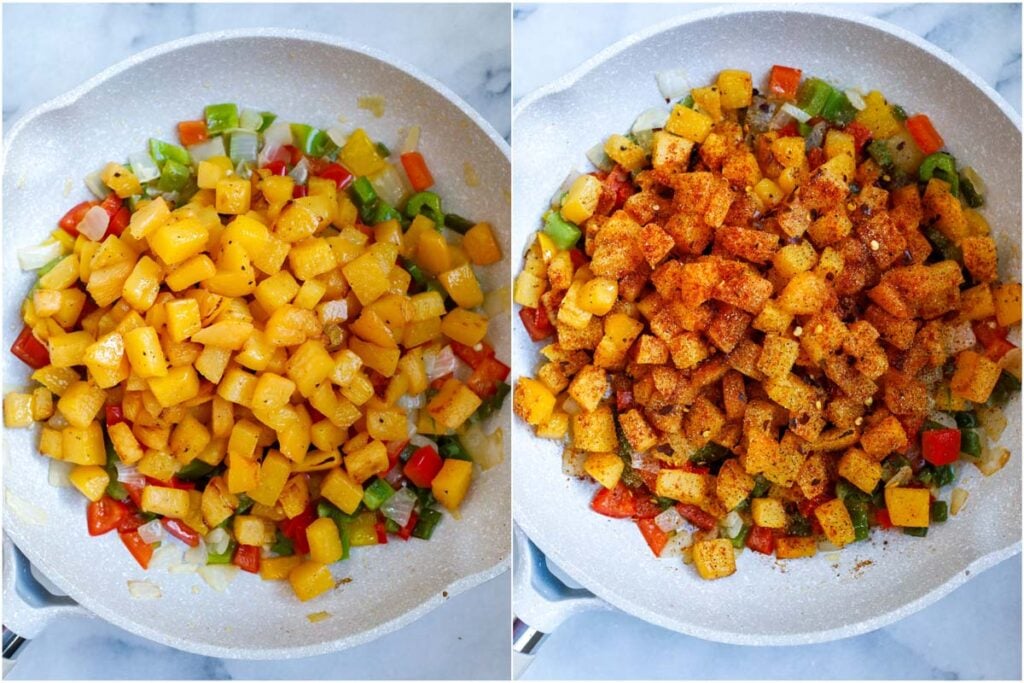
453	404
462	285
310	579
860	469
91	480
714	559
588	387
598	295
465	327
452	483
367	461
736	88
768	512
791	547
274	472
909	507
624	152
581	200
686	487
278	568
81	403
835	522
733	485
595	431
17	410
84	445
481	245
605	468
324	541
146	355
167	501
975	376
234	195
1006	298
689	124
252	530
342	490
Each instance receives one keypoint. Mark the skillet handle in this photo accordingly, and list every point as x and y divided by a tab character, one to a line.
541	601
28	605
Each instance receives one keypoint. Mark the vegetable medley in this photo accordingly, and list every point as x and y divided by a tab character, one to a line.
267	342
772	319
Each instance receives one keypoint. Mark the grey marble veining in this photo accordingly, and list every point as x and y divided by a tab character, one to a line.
49	49
975	632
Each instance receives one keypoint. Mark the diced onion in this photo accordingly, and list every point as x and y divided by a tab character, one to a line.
218	576
902	476
571	406
152	531
217	541
373	104
796	112
144	590
410	403
678	545
242	147
825	545
487	450
651	119
572	462
411	141
1011	362
34	258
957	500
24	510
318	616
207	149
992	420
58	421
334	311
277	134
250	119
419	441
944	419
669	520
143	166
167	555
961	337
197	556
732	524
597	156
974	179
128	475
58	473
337	136
183	568
94	181
497	302
817	135
993	459
398	508
94	223
389	185
300	174
673	83
856	100
439	364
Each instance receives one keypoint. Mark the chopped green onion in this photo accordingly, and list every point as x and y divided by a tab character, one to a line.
899	112
311	141
564	234
966	420
221	117
798	526
687	101
942	244
972	187
761	486
244	503
857	507
363	191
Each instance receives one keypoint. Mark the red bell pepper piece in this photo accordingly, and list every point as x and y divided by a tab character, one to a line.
784	81
437	383
697	517
861	134
140	550
696	469
536	322
134	490
181	531
406	531
993	338
624	400
761	539
69	221
790	130
294	154
299	191
112	204
621	185
277	167
247	558
382	532
417	171
808	506
815	157
469	355
115	415
927	138
883	519
30	350
577	257
617	502
486	376
336	172
119	221
173	483
655	537
646	507
295	529
423	466
104	515
941	446
192	132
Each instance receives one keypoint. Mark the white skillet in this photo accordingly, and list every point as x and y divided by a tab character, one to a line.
302	77
766	602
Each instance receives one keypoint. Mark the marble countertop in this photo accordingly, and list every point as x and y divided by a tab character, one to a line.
930	644
48	52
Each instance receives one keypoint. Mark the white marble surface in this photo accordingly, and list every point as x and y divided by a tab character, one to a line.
49	50
973	633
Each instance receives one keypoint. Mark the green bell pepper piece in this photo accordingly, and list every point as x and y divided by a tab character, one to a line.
197	469
920	532
857	506
880	153
457	223
173	176
837	109
940	511
268	118
943	245
970	442
450	448
740	539
221	117
1006	386
564	234
709	453
813	95
162	151
491	404
943	167
377	493
428	204
426	524
282	545
224	557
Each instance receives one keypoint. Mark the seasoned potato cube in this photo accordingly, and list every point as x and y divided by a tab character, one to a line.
278	568
363	463
907	506
597	296
595	431
233	195
637	430
980	258
605	468
179	385
670	152
736	88
453	404
167	501
777	355
310	579
588	387
452	483
624	152
686	487
733	485
84	445
581	201
252	530
465	327
714	559
768	512
804	294
91	480
18	410
689	124
481	245
975	376
532	401
860	469
791	547
835	522
1006	299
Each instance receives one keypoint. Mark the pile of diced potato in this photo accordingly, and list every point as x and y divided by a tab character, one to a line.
746	300
206	325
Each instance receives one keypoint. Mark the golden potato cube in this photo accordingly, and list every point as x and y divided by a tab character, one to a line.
81	403
310	579
689	124
342	490
179	385
835	522
167	501
452	483
975	376
465	327
18	410
686	487
768	512
908	507
714	559
595	431
588	387
605	468
860	469
367	461
791	547
234	195
733	485
91	480
1006	298
453	404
